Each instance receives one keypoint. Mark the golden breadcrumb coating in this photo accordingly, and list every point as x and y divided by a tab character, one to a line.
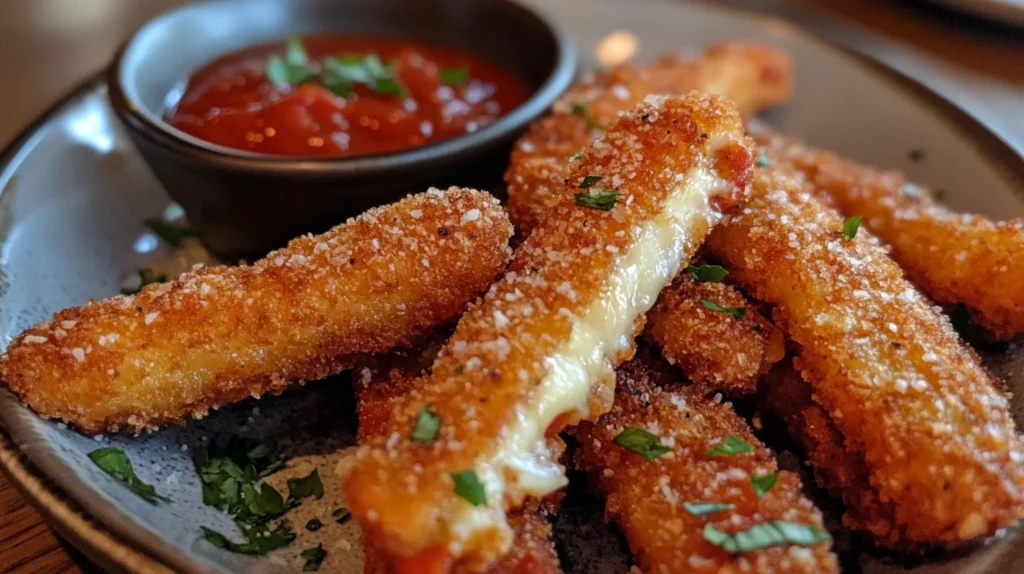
752	76
716	350
907	395
219	334
646	498
838	469
532	551
953	257
380	381
538	351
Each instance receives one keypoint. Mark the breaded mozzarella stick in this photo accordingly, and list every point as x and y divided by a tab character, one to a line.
217	335
539	350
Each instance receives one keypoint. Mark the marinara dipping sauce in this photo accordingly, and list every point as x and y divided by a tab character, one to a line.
342	96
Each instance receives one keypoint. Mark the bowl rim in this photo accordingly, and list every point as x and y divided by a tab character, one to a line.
145	123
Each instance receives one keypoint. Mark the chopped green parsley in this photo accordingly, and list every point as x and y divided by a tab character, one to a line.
732	445
641	442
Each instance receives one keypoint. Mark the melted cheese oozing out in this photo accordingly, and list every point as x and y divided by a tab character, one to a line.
523	457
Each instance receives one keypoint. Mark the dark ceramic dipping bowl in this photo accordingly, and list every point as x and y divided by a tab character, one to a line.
243	204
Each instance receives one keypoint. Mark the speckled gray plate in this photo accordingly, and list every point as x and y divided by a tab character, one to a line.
74	194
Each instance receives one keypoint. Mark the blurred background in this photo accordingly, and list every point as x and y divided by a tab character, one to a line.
52	45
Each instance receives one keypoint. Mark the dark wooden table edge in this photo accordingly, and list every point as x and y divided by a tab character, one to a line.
69	521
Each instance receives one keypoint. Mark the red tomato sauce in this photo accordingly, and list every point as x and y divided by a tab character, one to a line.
444	93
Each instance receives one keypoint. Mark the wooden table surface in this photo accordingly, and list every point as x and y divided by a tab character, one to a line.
60	42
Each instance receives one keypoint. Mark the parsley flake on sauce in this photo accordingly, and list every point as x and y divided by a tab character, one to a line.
453	76
339	74
589	181
641	442
114	462
295	52
291	70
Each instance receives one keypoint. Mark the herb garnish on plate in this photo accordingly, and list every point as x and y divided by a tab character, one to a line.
114	462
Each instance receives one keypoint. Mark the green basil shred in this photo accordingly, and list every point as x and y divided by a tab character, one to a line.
736	312
427	426
761	536
702	508
469	487
706	273
850	227
732	445
762	484
641	442
600	198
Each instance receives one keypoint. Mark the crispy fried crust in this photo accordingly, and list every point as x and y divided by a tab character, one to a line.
838	469
646	497
754	77
381	381
952	257
219	334
545	338
532	551
933	429
717	351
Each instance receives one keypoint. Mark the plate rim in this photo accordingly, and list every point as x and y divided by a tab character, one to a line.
115	543
70	521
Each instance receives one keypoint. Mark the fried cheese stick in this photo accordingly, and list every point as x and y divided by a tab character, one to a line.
537	352
933	429
715	350
754	77
719	350
953	257
649	498
219	334
532	551
838	469
381	381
